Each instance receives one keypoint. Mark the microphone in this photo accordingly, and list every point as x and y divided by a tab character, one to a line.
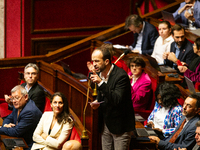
122	55
95	85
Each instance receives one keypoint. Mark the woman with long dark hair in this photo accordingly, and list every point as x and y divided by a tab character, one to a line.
55	126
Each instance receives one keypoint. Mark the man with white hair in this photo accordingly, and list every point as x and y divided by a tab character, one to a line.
24	117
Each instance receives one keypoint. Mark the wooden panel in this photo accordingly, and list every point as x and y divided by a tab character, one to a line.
53	77
61	15
42	46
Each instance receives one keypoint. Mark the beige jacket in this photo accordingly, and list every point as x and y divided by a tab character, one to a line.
59	134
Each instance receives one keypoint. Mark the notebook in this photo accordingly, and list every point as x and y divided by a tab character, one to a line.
191	86
11	143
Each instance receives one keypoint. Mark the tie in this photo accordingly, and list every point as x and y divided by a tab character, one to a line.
18	116
173	139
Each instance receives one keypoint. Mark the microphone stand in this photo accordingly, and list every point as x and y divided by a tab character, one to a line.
84	132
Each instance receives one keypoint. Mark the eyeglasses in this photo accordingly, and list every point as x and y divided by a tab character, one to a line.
136	66
17	98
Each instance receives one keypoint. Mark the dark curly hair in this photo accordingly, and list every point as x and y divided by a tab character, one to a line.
169	94
64	115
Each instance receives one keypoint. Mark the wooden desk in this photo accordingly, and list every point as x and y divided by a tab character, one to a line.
173	79
142	145
2	146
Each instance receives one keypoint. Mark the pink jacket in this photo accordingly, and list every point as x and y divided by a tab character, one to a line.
141	92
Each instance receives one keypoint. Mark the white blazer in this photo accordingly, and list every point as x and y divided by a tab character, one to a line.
59	134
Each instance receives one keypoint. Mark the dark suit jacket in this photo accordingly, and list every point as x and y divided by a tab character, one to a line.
117	110
27	122
185	139
36	93
185	54
150	34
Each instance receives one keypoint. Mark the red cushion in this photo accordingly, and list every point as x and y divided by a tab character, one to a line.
181	101
197	86
74	135
47	106
4	111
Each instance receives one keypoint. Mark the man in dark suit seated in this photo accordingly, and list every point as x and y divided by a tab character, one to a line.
35	92
116	113
24	117
145	34
184	134
197	138
189	13
181	51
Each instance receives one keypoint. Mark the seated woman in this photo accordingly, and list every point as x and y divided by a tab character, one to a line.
140	83
193	70
55	126
163	42
167	112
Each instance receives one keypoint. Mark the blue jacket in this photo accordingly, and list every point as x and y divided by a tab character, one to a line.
185	20
150	34
27	122
185	139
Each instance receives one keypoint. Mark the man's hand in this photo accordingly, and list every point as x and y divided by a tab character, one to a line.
165	55
10	125
172	57
44	136
189	16
150	124
94	105
186	7
90	67
8	99
135	51
95	78
182	69
154	138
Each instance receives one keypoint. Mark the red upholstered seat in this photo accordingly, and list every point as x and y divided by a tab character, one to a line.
197	86
4	111
181	101
74	135
47	106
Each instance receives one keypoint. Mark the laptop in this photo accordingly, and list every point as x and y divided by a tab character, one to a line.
191	86
163	69
169	17
145	132
11	143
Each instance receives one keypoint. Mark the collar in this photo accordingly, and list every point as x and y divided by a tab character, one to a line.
142	27
168	39
108	74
